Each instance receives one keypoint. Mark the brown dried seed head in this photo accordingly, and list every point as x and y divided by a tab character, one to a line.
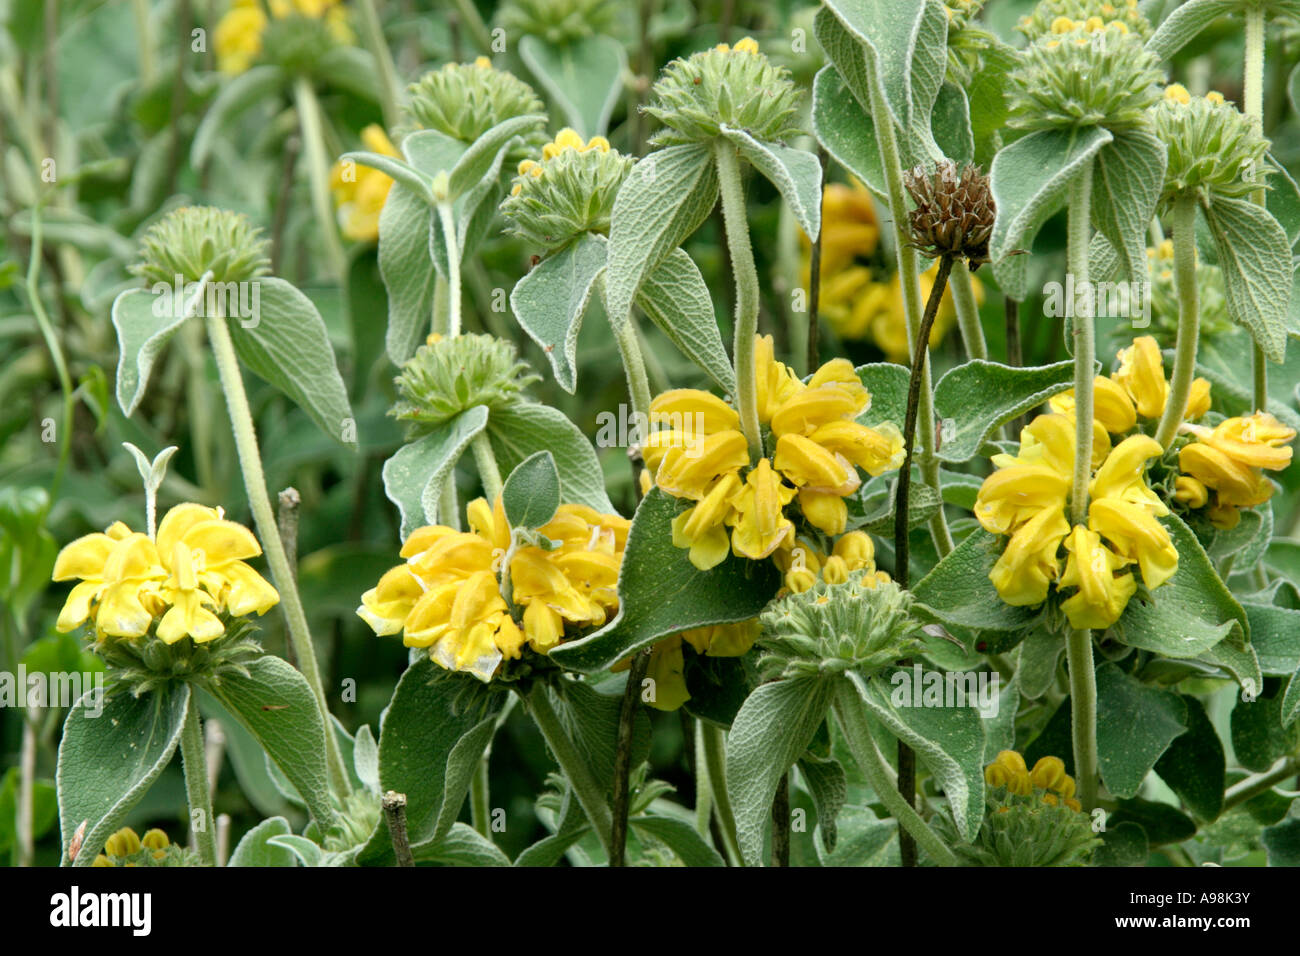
954	211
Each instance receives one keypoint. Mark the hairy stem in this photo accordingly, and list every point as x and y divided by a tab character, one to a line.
815	279
480	804
968	312
623	754
194	760
51	343
389	91
1253	103
394	807
1180	385
857	732
452	328
1253	786
909	280
313	142
488	472
742	266
638	383
1083	714
585	788
715	760
250	463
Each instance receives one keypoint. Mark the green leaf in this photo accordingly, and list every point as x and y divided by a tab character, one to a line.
255	85
414	476
661	592
550	301
1030	181
1283	200
890	32
680	837
286	343
351	69
1122	845
365	758
584	77
827	784
1258	735
531	493
842	125
1135	725
590	720
571	826
255	850
1255	258
1130	174
871	507
276	705
864	840
1191	612
979	397
951	124
483	155
307	853
948	740
1194	764
796	174
518	431
1184	24
1275	636
1040	656
1235	655
45	808
887	384
958	591
989	110
394	169
676	298
108	760
1282	841
1160	822
145	322
432	152
404	227
1291	702
462	846
773	729
664	199
420	753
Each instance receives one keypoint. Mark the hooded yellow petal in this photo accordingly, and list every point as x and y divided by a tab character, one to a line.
808	465
1011	496
1091	567
761	527
1029	563
1142	373
178	520
1121	475
1137	536
83	558
690	472
693	411
826	512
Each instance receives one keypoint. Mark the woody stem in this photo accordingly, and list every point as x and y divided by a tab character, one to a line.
1180	386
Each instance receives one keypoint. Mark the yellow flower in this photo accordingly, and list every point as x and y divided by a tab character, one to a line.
447	596
1110	402
1142	373
360	192
666	668
1014	495
237	38
1135	535
702	528
193	571
1230	458
1190	492
1008	770
1121	475
1091	568
1029	563
690	471
760	526
124	842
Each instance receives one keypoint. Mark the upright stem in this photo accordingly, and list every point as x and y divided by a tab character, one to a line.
1180	385
815	279
480	809
715	759
488	472
388	88
313	142
143	40
194	760
781	822
448	221
638	383
1083	680
585	788
250	463
471	18
909	280
52	343
23	833
1253	100
968	312
920	350
742	266
623	754
857	732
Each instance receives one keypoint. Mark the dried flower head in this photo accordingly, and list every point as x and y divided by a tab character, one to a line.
954	211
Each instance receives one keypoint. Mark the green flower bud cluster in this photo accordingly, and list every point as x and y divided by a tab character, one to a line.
1214	149
1080	78
961	13
465	100
148	663
863	624
1059	16
558	22
569	193
449	376
736	86
193	240
297	43
1023	831
358	815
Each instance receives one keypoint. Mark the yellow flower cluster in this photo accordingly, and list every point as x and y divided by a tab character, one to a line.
854	298
448	597
667	663
1177	93
699	453
1048	779
359	191
804	564
1026	499
564	139
237	39
1229	459
191	571
746	45
1064	25
127	843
